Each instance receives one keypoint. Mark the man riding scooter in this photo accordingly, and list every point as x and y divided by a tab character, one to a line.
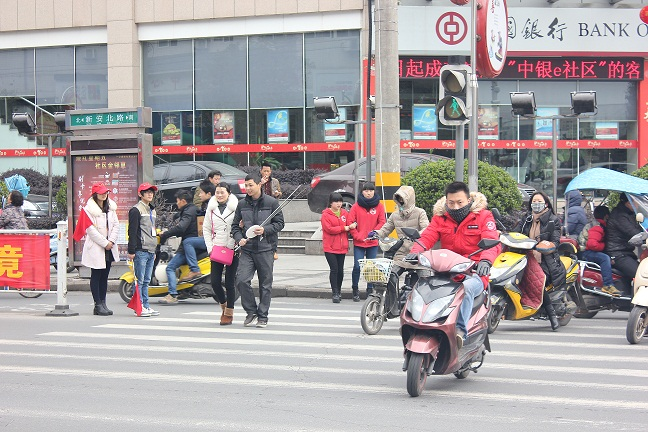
460	221
621	226
185	226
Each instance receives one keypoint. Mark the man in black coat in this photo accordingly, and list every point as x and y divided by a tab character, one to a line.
185	225
621	226
256	251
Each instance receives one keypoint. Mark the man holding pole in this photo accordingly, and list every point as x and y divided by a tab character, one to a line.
257	235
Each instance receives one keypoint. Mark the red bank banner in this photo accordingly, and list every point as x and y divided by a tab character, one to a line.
23	260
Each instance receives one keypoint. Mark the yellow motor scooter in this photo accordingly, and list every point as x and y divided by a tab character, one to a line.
517	283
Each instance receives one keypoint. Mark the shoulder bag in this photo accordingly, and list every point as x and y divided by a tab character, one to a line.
220	254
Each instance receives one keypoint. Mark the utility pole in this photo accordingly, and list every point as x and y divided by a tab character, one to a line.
474	123
387	102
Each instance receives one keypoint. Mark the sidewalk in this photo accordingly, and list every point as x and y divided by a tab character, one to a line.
294	275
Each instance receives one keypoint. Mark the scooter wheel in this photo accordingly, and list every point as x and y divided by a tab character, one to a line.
417	373
637	323
371	316
126	290
30	294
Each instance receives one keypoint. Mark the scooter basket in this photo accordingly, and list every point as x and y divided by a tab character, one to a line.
375	270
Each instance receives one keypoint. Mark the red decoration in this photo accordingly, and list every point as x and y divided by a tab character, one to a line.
460	2
643	14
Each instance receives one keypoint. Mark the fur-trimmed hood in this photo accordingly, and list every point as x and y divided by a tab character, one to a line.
231	204
93	209
479	203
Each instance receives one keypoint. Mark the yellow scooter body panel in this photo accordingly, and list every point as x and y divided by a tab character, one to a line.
521	312
156	290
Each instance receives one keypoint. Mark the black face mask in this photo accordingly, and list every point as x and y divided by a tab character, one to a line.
459	214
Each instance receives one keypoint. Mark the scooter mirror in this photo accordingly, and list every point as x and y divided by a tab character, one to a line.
496	214
487	243
411	233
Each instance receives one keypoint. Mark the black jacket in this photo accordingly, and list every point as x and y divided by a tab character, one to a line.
184	224
550	263
621	226
254	212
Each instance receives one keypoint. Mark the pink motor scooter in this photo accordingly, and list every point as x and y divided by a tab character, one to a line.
428	320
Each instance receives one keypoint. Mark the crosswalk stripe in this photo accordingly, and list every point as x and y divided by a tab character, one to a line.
281	323
606	404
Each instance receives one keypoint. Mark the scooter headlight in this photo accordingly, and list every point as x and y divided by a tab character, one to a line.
438	308
415	305
461	267
424	261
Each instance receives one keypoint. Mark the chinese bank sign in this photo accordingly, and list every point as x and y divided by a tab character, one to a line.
442	30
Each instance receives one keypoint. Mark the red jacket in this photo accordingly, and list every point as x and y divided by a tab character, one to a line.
334	236
368	220
462	238
596	237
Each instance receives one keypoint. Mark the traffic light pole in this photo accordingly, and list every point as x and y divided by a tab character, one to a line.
459	154
473	125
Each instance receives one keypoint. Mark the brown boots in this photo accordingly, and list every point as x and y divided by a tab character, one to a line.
228	315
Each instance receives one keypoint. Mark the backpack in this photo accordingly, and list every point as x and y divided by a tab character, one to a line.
584	235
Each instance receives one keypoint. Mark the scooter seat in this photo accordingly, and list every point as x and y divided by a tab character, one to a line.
479	301
202	255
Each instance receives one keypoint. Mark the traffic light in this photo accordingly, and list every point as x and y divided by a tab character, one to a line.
583	102
455	98
523	104
59	119
325	108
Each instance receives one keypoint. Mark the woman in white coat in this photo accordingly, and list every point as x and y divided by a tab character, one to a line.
216	232
100	247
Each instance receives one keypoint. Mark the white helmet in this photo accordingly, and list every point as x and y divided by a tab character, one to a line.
160	273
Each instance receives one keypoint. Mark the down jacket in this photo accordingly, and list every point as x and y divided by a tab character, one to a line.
550	263
217	227
576	217
254	212
463	237
334	235
410	217
99	234
621	226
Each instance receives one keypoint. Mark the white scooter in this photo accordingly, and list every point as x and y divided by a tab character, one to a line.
638	319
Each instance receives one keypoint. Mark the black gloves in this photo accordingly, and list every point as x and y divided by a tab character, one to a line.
483	267
163	238
411	257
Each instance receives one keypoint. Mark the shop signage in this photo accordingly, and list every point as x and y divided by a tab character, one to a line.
22	260
108	118
534	68
492	37
523	144
427	29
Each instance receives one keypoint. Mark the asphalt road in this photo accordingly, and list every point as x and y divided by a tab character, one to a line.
311	369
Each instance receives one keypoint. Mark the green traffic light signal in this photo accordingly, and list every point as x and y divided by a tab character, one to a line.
455	99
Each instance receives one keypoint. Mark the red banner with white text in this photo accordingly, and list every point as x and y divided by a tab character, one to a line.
24	261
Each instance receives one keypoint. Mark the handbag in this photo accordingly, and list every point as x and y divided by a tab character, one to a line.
221	254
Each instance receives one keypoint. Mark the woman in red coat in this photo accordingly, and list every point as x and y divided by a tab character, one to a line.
335	241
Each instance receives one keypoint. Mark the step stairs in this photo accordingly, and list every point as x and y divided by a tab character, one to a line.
293	241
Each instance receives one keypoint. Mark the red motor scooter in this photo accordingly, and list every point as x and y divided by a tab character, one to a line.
428	320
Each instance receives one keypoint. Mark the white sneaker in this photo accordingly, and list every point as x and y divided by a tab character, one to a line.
153	312
145	313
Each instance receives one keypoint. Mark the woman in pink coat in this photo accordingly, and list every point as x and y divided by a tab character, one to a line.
335	241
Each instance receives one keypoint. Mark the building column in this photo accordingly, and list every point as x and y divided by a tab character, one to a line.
124	58
642	133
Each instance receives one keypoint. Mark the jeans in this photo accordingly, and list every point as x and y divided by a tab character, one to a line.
262	263
143	266
336	273
603	260
190	246
473	286
359	253
177	260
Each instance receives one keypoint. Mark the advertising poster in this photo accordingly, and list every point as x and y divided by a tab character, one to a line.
119	173
224	127
278	126
334	131
171	128
488	123
424	122
607	130
543	129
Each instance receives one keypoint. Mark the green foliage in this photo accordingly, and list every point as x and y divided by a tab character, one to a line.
60	199
430	179
258	158
4	191
612	199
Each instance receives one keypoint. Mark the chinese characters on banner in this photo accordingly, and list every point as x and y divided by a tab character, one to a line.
171	128
335	131
224	127
278	126
22	260
424	122
119	173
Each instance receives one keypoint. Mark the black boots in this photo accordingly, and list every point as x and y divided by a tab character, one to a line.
356	294
101	309
553	319
337	296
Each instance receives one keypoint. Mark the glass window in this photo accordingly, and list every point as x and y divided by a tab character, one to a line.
260	119
332	66
221	127
168	75
91	78
315	128
221	78
54	75
17	72
615	100
275	67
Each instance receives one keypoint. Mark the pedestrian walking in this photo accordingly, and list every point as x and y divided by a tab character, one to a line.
369	214
13	216
335	241
217	231
99	224
142	241
262	221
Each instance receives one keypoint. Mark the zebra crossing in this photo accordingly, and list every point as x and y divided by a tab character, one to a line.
313	368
